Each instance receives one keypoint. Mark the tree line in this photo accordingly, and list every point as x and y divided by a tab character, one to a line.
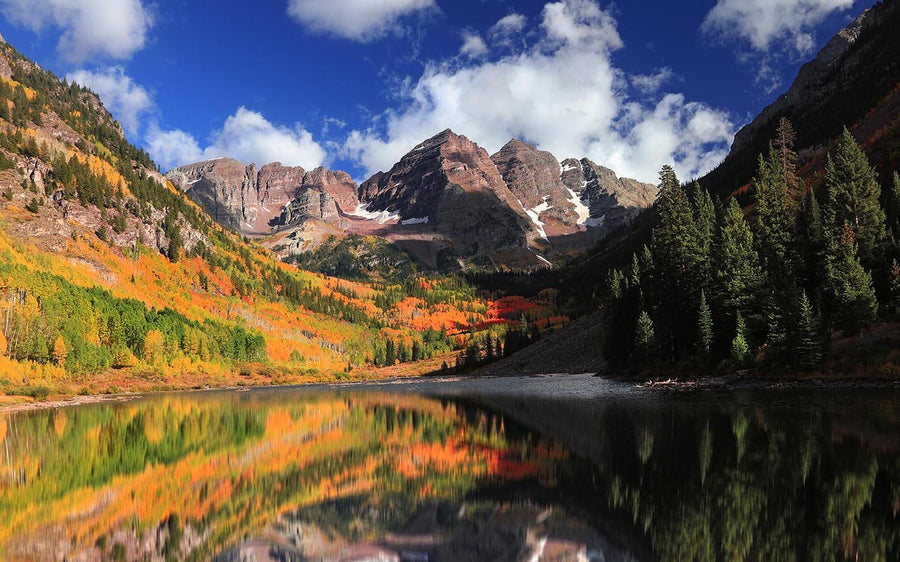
764	285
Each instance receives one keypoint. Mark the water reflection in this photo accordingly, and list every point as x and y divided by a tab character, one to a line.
368	474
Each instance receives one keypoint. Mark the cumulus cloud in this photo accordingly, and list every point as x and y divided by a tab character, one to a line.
562	93
113	29
172	148
360	20
246	136
473	45
125	99
651	83
762	23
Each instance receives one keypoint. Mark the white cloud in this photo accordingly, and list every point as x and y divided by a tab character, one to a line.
562	93
473	45
360	20
651	83
172	148
246	136
106	28
764	22
507	28
125	99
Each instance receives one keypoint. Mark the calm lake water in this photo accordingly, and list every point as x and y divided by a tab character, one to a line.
534	468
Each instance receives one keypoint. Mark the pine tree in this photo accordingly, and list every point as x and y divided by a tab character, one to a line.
676	255
809	344
774	235
892	210
894	303
736	276
704	327
787	159
853	196
813	242
849	289
740	349
390	353
643	337
705	216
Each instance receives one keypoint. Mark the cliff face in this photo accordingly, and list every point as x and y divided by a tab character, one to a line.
260	202
534	176
611	201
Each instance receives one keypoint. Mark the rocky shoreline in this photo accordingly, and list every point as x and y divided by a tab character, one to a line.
739	382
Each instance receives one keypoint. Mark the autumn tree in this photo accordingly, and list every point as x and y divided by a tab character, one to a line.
155	348
60	352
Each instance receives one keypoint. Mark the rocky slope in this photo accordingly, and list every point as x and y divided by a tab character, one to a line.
611	201
850	78
447	202
259	202
448	186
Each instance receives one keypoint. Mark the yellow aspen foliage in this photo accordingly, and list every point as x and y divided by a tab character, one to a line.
60	352
155	348
3	344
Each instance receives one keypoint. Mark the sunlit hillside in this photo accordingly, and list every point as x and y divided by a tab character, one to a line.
112	279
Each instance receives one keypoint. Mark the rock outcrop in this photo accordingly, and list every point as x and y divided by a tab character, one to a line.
611	201
260	202
534	178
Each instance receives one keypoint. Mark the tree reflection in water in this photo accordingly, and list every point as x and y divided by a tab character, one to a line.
331	475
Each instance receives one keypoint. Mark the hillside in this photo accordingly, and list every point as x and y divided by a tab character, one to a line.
112	279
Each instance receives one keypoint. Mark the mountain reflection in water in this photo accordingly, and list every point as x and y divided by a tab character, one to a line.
497	469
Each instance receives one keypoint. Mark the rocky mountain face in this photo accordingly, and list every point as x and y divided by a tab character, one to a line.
854	76
611	201
449	186
447	202
263	201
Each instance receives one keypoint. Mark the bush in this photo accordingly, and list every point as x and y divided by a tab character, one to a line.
36	392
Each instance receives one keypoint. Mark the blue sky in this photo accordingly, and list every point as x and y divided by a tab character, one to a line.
355	84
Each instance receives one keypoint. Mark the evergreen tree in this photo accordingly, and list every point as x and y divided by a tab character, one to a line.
704	327
736	276
892	210
853	196
705	216
390	353
809	341
676	255
848	287
787	159
740	349
894	303
774	237
813	242
643	337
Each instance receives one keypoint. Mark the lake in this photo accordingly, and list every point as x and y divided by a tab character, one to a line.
529	468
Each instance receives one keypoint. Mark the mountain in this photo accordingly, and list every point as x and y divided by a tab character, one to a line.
447	203
112	278
853	81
